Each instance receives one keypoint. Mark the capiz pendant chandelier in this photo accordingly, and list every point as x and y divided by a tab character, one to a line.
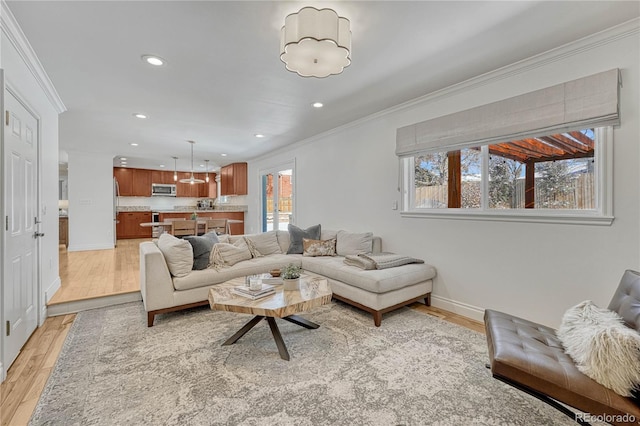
192	179
315	42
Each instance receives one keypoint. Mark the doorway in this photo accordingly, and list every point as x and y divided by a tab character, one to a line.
277	185
21	259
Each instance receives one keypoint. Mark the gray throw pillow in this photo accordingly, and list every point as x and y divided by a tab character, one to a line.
202	248
296	235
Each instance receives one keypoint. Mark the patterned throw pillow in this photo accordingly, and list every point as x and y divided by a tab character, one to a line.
319	247
225	255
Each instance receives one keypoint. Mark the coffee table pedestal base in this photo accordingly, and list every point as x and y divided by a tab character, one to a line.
275	331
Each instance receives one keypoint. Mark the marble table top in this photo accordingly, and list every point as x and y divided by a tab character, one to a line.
314	291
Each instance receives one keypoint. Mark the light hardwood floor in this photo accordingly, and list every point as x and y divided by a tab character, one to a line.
97	273
107	272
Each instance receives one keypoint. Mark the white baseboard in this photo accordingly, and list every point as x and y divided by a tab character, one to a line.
3	374
97	302
88	247
51	290
469	311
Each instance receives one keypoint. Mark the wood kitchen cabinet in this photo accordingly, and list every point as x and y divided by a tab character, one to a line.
161	176
233	179
183	189
129	225
124	176
133	182
141	183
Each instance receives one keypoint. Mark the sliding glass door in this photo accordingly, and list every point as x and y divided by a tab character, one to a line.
277	198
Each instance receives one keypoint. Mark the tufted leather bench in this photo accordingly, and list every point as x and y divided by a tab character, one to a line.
531	358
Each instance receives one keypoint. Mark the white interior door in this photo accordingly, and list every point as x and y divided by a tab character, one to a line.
19	290
277	198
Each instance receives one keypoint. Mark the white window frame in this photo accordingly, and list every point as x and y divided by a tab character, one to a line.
601	215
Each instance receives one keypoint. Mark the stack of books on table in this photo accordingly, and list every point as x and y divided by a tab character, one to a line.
266	290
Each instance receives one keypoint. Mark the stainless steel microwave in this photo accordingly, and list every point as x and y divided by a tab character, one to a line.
163	189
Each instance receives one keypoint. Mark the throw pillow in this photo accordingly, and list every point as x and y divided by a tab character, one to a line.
177	253
265	243
224	254
224	238
319	247
297	234
602	347
202	248
352	243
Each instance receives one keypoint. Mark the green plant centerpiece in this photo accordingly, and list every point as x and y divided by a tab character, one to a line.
291	277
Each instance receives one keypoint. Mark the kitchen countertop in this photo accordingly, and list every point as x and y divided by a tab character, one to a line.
238	209
186	209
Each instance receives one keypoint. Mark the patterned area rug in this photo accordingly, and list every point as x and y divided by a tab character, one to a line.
413	370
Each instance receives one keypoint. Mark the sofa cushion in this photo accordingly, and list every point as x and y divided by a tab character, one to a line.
319	247
208	277
376	281
223	255
202	248
265	243
328	234
177	253
297	234
602	347
353	243
283	240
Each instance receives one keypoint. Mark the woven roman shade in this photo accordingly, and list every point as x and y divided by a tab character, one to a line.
586	102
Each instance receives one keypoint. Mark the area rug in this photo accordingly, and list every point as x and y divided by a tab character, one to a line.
413	370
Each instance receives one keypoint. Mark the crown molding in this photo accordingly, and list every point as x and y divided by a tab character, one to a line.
630	28
12	31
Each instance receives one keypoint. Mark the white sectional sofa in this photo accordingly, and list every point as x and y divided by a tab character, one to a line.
375	291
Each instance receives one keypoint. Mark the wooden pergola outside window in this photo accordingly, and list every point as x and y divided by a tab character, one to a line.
565	146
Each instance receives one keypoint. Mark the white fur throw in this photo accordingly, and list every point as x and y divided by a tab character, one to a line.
602	347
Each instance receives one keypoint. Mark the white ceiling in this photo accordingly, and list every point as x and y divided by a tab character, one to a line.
224	81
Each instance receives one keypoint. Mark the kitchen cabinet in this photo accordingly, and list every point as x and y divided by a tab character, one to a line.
141	183
124	176
161	176
183	189
129	225
233	179
133	182
64	231
165	216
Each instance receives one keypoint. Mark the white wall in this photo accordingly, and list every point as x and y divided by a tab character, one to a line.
348	178
90	201
33	88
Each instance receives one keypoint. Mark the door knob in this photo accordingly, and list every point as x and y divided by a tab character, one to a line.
38	234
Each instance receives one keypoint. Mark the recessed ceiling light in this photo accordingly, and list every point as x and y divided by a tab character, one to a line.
123	165
156	61
202	165
123	158
258	135
133	144
223	155
161	165
318	105
140	115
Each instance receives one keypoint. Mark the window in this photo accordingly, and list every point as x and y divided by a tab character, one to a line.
554	175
